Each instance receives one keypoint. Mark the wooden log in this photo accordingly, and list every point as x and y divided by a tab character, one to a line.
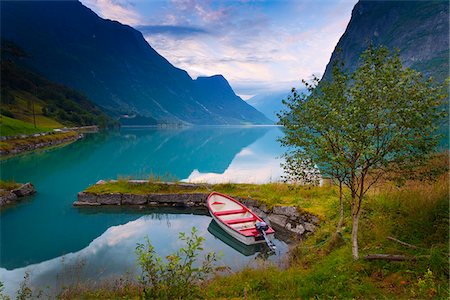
402	243
390	257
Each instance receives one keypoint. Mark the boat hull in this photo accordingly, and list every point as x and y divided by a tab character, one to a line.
247	240
236	219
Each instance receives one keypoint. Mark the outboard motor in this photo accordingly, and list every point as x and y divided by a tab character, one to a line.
262	227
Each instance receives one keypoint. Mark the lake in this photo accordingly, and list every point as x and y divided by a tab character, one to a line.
56	242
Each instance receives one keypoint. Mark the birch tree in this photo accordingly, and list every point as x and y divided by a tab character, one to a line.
356	127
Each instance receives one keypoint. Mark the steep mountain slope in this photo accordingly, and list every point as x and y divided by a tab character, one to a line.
110	62
419	29
218	97
30	97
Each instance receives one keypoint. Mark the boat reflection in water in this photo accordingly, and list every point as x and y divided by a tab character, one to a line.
247	250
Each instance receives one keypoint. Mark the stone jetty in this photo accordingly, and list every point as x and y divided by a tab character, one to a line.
287	218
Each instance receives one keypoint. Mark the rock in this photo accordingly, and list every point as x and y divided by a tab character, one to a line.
258	212
190	204
264	208
7	197
153	203
133	199
25	190
309	227
298	228
165	198
247	202
80	203
289	211
109	199
87	197
101	182
198	198
315	220
278	220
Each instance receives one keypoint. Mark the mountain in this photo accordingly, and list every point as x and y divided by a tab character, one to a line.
219	99
269	103
418	29
25	95
114	66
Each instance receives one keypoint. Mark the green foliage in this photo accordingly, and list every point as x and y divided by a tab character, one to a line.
356	127
55	101
178	276
425	287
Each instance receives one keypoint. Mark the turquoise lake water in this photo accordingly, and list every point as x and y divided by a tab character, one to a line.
56	242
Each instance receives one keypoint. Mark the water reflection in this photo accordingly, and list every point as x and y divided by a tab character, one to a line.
117	244
36	233
257	163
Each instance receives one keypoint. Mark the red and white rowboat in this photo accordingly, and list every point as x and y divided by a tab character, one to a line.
237	219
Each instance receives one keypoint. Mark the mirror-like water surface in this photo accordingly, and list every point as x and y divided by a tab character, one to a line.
47	236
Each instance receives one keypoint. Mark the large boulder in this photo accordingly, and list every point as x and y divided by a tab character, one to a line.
295	228
278	220
24	190
289	211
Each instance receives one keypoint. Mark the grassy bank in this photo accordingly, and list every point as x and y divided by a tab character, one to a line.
317	200
27	144
321	267
12	127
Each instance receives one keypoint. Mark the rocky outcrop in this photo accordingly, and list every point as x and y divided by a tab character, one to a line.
24	190
285	218
12	196
291	219
154	199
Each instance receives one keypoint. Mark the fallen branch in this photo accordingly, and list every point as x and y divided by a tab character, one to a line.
393	257
402	243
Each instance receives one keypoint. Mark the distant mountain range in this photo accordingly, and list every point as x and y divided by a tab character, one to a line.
269	103
115	67
418	29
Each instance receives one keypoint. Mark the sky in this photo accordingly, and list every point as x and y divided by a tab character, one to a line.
259	46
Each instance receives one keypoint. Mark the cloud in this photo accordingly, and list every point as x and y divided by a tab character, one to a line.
118	10
171	30
258	46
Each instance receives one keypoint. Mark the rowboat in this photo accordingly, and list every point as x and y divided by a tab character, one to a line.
222	235
239	221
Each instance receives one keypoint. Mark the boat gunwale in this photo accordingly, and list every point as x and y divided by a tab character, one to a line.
241	205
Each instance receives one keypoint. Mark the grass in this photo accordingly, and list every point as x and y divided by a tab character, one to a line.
416	213
11	127
316	200
8	185
321	266
9	145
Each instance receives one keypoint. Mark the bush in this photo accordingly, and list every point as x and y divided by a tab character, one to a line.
179	275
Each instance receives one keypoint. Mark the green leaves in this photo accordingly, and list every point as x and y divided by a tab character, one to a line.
179	274
382	114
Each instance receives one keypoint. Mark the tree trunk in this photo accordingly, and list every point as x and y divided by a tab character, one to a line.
356	213
341	209
355	252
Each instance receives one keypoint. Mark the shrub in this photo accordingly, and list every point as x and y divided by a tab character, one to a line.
179	275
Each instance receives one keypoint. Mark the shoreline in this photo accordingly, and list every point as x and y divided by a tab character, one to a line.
144	194
26	144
